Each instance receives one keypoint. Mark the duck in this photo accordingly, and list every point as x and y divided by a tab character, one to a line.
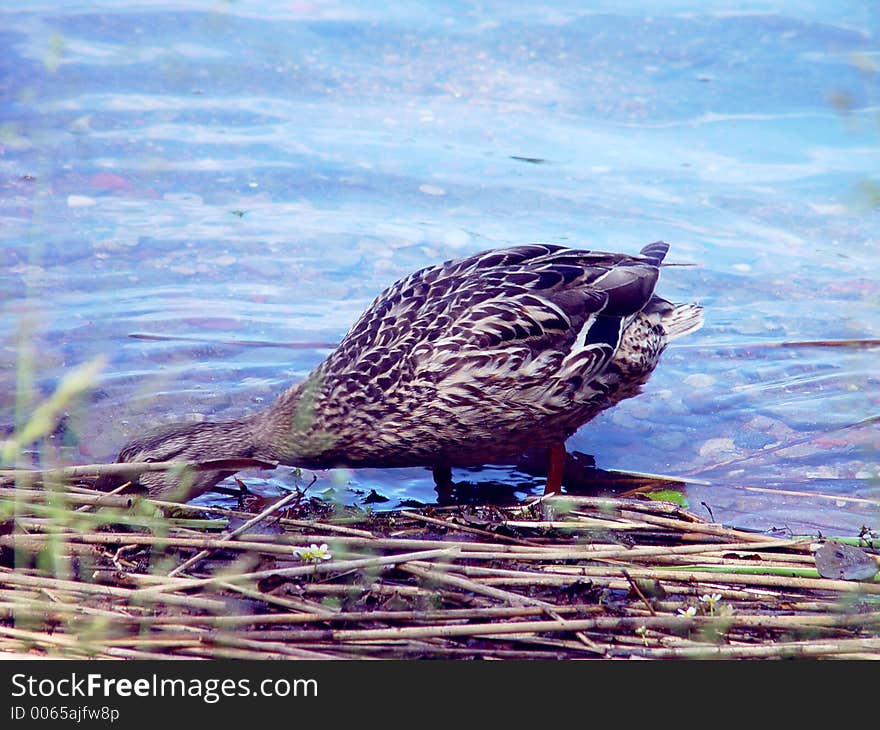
470	362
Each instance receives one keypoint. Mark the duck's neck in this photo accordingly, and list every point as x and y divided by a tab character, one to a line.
215	439
289	430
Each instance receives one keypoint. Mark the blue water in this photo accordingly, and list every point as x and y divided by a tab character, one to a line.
185	182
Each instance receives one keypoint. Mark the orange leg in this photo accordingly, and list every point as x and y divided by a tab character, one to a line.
556	467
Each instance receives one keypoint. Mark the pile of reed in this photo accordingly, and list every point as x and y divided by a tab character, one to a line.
85	574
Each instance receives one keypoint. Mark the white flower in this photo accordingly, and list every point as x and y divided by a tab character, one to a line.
314	553
643	632
689	611
710	601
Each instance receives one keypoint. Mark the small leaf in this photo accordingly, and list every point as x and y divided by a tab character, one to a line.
668	495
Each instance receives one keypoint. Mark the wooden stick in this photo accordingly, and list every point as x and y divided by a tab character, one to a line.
424	572
465	528
447	614
133	468
819	584
285	521
106	499
638	591
307	607
583	523
673	623
806	495
319	568
236	532
25	496
16	578
706	528
777	650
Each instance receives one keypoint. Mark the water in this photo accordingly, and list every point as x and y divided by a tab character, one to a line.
184	182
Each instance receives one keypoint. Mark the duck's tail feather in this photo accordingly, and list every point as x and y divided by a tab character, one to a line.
655	252
682	320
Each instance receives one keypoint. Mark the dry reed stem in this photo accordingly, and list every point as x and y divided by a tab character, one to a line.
780	650
10	577
681	624
284	521
33	496
132	468
464	528
320	568
36	542
449	614
291	604
695	576
806	495
580	523
520	597
236	532
603	505
704	528
436	576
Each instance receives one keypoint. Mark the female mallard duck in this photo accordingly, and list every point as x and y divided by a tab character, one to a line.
469	362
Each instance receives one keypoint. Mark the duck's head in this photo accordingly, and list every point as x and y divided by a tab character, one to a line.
186	443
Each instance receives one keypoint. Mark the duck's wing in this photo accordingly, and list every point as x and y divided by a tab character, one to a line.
509	314
534	309
433	288
505	286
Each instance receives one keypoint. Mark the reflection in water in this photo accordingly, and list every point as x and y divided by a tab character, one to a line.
213	181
